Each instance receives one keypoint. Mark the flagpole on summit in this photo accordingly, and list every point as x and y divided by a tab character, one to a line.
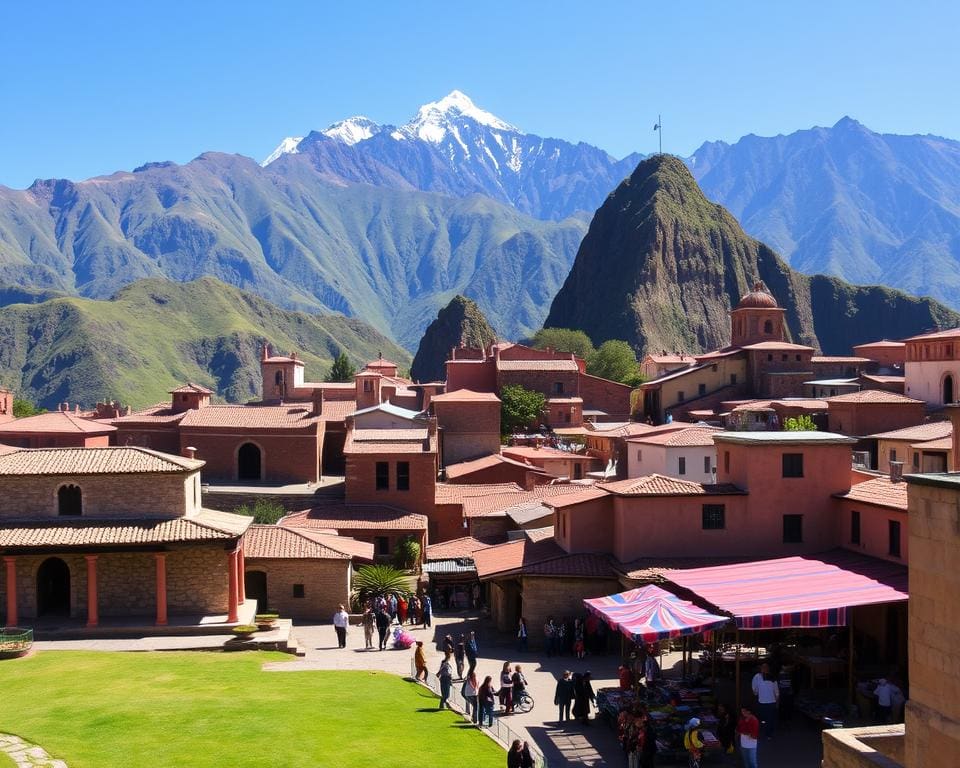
658	126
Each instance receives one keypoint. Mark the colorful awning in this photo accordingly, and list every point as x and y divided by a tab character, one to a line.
796	591
649	613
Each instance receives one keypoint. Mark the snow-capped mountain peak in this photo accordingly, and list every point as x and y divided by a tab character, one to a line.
353	129
433	120
286	147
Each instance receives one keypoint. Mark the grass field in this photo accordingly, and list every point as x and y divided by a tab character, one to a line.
199	710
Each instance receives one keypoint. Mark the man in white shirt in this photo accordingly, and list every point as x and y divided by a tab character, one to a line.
884	692
340	620
757	678
768	697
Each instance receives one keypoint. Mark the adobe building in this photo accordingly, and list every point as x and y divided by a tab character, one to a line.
468	423
686	454
552	461
495	469
932	367
873	410
58	429
78	545
909	445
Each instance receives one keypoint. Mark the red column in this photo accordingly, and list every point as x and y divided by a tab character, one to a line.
11	591
93	615
232	617
242	570
161	588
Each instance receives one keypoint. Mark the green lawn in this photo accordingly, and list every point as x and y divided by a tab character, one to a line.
98	710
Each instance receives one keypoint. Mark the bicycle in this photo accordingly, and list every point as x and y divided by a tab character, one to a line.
524	703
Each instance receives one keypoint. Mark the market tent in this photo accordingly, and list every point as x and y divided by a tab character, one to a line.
796	591
649	613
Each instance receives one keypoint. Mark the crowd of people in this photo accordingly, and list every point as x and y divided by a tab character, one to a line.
571	637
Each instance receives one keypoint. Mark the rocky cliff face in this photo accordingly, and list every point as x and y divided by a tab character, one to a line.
661	267
460	322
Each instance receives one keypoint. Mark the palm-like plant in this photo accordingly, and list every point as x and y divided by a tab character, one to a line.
372	581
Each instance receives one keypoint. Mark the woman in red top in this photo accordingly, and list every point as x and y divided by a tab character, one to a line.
748	729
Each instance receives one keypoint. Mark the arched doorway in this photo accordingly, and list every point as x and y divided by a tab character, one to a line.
248	462
948	389
53	588
255	587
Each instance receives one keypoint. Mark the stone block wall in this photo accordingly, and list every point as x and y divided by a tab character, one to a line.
289	456
559	597
873	747
326	584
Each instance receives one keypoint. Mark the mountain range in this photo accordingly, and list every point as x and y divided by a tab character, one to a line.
666	265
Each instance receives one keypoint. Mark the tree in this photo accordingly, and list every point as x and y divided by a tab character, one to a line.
342	369
23	408
407	553
519	408
373	581
563	340
263	511
614	360
802	423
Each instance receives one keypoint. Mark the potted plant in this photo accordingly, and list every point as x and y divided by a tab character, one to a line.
243	631
267	621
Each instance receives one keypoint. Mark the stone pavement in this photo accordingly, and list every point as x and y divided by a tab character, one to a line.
27	755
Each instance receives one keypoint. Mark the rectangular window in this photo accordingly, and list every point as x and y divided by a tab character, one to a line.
682	465
793	529
726	462
563	525
701	389
383	545
578	471
714	517
855	527
299	592
893	454
893	527
706	465
783	358
916	461
383	476
403	475
733	378
367	385
680	396
558	387
793	465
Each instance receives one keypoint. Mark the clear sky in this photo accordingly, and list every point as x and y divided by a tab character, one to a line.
87	88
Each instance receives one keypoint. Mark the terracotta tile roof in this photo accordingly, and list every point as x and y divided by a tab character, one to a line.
454	471
670	358
539	558
680	438
872	396
528	511
354	548
274	542
537	365
161	413
337	516
390	435
380	363
284	359
881	344
207	525
777	346
883	379
499	503
943	444
879	492
251	417
451	493
931	430
190	387
539	534
55	422
839	359
389	441
572	499
654	568
456	548
93	461
465	396
952	333
337	410
527	452
661	485
582	565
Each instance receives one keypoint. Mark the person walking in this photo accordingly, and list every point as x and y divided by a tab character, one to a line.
748	729
413	609
470	690
515	754
564	695
768	697
506	689
445	676
392	606
420	661
693	742
582	696
402	606
522	636
472	651
460	655
448	646
340	621
550	637
368	625
485	696
427	608
382	620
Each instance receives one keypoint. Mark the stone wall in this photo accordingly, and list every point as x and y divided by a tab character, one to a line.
227	502
287	456
873	747
545	596
326	584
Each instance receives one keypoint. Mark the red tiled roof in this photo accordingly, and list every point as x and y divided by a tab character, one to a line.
251	417
880	344
284	359
582	565
670	358
527	452
275	543
390	435
932	430
454	471
451	493
499	503
777	346
190	387
883	379
653	568
807	404
537	365
951	333
943	444
337	516
690	437
361	550
661	485
879	492
389	441
55	422
93	461
572	499
380	363
161	413
207	525
872	396
839	359
465	396
455	548
539	558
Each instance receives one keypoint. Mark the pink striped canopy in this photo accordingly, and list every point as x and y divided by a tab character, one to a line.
796	591
649	613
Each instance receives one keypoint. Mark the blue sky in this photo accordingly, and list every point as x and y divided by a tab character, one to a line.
89	88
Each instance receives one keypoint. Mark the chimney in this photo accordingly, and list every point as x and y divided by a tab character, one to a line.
953	411
190	452
64	406
318	398
896	471
264	351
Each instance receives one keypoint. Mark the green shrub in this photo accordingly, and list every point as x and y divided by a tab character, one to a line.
264	511
407	553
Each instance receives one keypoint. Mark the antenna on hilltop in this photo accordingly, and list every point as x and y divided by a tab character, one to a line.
658	126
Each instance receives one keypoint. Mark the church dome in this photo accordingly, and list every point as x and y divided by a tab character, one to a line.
758	298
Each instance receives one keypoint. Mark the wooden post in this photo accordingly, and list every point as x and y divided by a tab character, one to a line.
232	592
11	591
161	558
93	614
737	664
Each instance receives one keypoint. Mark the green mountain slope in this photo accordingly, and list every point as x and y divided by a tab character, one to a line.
459	323
156	334
661	266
